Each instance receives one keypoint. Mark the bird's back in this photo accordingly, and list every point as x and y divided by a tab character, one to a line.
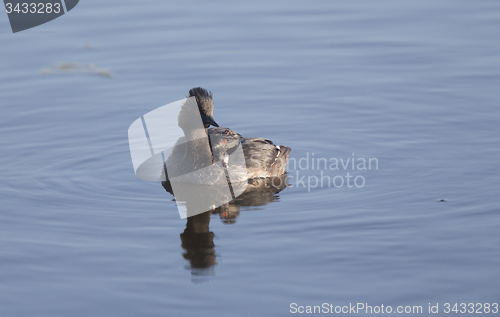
263	158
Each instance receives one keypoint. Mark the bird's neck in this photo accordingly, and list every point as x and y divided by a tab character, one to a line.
198	148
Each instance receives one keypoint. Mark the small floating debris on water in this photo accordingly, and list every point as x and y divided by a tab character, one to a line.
76	69
88	46
442	200
47	71
104	73
65	67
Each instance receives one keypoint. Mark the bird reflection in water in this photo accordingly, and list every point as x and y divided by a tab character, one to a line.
198	241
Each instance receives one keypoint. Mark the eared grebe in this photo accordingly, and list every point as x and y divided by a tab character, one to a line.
191	153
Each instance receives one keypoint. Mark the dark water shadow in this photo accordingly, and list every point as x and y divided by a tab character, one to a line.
198	241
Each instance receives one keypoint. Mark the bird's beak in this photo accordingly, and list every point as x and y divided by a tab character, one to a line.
208	120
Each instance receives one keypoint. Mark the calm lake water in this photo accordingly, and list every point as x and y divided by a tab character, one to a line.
411	86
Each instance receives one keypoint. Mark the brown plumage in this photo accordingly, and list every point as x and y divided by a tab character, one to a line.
263	158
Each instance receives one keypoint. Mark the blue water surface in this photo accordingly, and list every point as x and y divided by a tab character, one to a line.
413	86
